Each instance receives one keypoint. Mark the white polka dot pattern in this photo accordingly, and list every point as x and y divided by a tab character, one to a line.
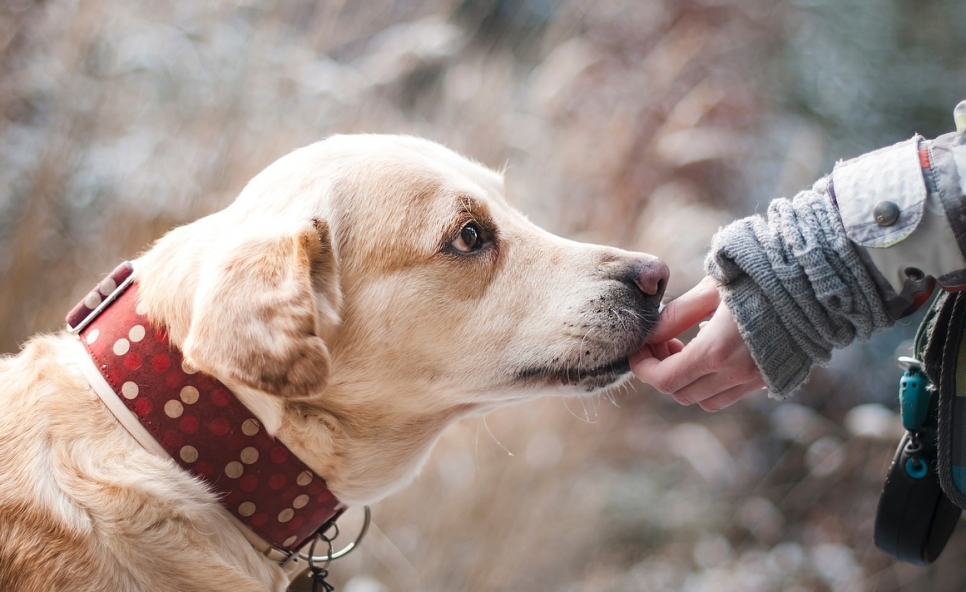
205	429
122	346
249	455
136	333
173	409
129	390
188	453
234	469
107	286
93	300
250	427
189	395
84	309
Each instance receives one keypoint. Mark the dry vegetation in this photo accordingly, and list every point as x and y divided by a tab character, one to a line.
645	124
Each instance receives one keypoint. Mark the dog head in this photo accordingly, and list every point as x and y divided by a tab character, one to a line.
387	277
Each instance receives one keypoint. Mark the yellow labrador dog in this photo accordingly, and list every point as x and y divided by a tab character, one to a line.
361	294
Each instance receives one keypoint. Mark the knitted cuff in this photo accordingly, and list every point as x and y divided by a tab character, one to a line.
795	286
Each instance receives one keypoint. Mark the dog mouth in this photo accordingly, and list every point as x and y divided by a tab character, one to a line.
586	378
605	342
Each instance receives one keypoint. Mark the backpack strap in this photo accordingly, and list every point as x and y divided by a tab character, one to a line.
944	362
915	516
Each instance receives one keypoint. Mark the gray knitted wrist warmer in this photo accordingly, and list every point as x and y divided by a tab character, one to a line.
796	287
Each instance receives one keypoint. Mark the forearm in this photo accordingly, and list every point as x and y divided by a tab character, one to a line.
796	287
846	258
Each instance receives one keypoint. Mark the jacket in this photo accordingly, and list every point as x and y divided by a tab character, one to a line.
863	247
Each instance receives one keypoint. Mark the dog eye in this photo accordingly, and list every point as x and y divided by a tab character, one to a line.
470	239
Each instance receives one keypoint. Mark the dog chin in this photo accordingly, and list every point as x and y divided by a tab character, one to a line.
589	380
605	381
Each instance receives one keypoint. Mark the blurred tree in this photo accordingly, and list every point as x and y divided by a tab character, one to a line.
871	72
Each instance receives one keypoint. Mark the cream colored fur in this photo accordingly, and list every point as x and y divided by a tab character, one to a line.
333	299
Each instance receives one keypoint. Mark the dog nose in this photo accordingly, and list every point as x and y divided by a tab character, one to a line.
652	276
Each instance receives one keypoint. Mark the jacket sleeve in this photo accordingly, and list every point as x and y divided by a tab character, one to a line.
796	286
903	208
861	248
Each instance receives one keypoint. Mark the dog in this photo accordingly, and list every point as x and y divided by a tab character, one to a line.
359	295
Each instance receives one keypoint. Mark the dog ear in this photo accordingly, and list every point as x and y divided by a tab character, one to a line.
262	313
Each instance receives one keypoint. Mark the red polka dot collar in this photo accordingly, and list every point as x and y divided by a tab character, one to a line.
197	421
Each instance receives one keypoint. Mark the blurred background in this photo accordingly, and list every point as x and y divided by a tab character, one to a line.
640	123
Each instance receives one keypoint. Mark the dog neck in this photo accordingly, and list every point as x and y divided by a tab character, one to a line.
366	448
177	412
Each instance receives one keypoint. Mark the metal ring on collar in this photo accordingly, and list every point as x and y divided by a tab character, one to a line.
345	550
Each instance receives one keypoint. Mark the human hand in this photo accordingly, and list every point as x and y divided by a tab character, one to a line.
715	369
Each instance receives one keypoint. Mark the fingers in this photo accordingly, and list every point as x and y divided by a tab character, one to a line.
686	311
708	353
657	350
714	370
712	391
731	396
660	350
717	383
673	373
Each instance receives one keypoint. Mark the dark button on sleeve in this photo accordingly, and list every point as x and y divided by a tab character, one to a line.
886	213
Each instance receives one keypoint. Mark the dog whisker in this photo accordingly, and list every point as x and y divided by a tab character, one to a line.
500	444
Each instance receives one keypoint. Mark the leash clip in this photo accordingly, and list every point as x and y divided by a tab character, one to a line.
319	564
909	363
330	556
